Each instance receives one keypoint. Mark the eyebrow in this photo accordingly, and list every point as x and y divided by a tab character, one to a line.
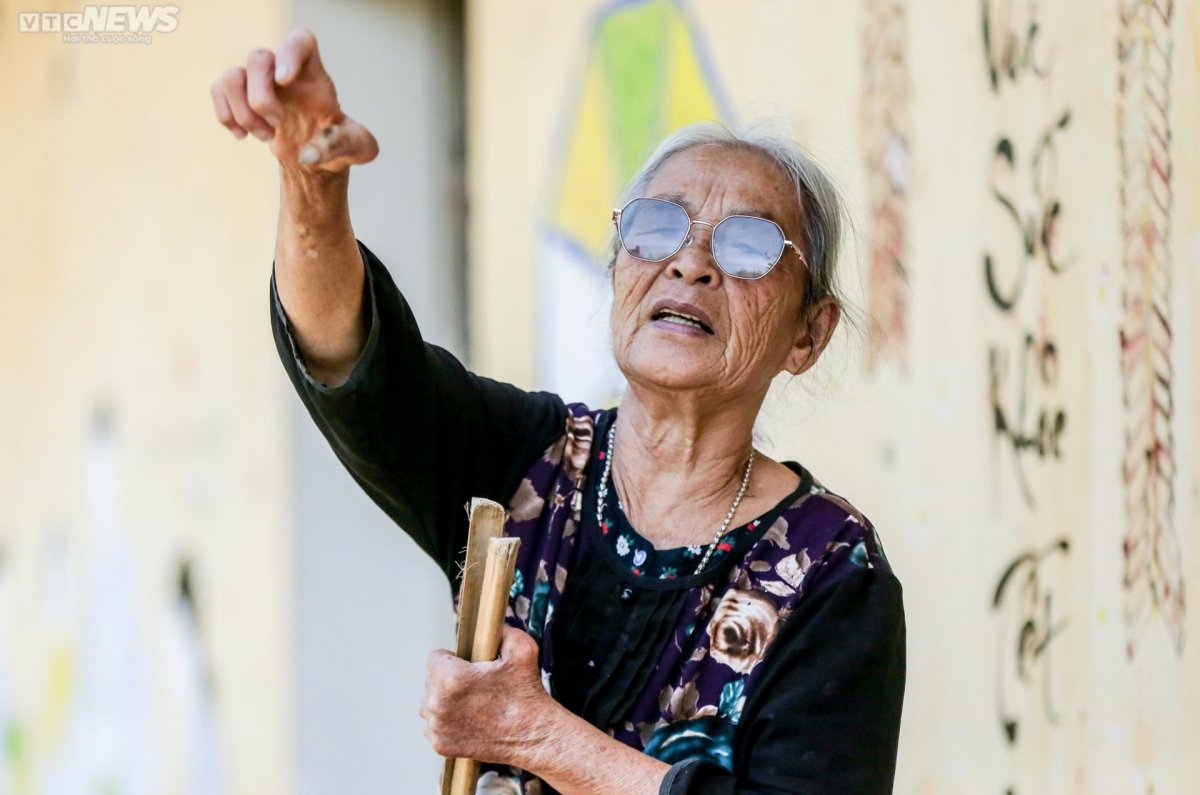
678	198
691	208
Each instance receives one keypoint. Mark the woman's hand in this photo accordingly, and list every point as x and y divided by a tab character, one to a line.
494	711
499	712
288	99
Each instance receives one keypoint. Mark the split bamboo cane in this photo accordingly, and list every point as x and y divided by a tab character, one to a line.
487	524
489	627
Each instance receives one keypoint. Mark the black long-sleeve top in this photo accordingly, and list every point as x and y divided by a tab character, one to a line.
422	435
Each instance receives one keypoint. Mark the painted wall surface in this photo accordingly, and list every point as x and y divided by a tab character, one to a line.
194	595
145	553
1020	417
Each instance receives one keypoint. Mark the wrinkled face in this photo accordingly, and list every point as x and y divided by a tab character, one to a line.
751	329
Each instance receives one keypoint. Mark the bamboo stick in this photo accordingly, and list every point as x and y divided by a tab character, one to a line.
493	601
487	522
489	628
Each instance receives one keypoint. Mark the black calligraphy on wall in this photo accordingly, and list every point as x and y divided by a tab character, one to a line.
1026	361
1028	417
1029	622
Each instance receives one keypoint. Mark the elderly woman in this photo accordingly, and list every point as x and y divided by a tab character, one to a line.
689	615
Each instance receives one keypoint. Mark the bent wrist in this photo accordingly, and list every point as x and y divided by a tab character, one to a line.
314	197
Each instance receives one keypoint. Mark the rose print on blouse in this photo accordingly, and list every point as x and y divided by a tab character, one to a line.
793	568
742	626
538	605
705	733
777	588
526	504
858	556
681	702
777	534
774	587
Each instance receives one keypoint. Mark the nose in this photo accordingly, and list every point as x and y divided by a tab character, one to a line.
694	263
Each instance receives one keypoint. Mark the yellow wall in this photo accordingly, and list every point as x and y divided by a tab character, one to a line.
135	248
913	441
134	252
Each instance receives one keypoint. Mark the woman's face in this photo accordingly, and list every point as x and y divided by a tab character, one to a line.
754	329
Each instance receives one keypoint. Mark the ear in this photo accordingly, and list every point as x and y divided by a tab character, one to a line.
813	336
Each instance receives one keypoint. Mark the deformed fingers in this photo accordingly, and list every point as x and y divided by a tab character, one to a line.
348	142
224	114
260	86
297	50
234	84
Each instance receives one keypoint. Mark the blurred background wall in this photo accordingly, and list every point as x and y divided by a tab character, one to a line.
194	598
145	486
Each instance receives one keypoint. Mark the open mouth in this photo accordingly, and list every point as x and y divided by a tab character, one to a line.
681	318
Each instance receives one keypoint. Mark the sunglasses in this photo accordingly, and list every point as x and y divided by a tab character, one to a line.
744	246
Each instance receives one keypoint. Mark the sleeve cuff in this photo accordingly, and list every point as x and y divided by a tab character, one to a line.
698	777
359	370
679	778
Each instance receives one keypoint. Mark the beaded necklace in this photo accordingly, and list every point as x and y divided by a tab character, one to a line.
602	496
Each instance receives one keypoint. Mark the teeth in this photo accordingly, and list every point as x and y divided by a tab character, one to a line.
683	320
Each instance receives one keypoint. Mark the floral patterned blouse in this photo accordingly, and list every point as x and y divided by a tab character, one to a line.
779	669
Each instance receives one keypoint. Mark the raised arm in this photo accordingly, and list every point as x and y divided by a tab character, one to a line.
418	431
287	98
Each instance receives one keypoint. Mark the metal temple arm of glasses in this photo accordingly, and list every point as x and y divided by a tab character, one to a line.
796	249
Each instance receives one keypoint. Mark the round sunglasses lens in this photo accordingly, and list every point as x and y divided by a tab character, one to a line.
652	229
747	247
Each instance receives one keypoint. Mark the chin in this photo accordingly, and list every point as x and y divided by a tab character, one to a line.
666	367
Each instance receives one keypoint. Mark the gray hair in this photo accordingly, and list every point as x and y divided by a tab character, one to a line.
821	203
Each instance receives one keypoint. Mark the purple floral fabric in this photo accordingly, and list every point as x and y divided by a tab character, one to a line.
691	704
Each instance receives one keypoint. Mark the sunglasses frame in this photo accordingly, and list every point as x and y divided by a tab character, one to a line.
687	237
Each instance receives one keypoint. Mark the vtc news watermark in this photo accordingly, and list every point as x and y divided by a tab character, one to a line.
102	24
